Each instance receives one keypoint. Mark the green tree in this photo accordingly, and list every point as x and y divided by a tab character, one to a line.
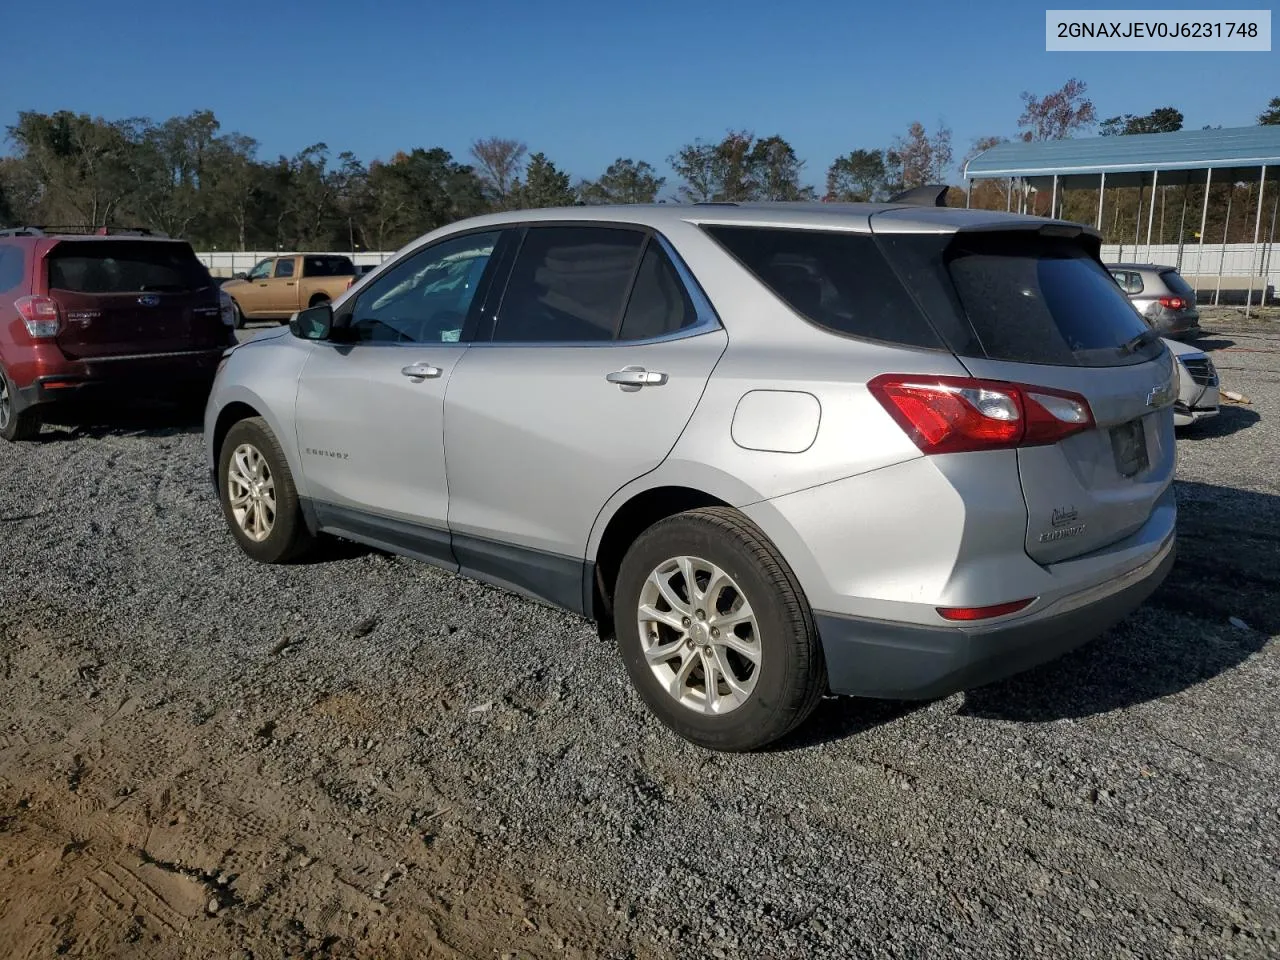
544	185
81	164
1160	120
1056	115
1271	115
857	176
739	168
626	181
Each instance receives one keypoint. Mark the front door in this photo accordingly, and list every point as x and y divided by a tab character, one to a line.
586	384
370	410
282	291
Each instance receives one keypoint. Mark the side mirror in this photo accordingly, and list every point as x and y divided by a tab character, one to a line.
315	323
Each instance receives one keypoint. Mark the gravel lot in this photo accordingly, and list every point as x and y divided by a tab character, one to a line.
361	756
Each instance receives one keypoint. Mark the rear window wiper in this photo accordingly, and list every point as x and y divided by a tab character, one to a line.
1138	342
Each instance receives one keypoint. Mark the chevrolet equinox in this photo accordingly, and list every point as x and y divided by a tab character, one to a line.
777	450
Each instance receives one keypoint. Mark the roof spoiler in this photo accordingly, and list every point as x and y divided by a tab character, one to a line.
929	195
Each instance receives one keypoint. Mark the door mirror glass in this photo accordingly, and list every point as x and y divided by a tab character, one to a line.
315	323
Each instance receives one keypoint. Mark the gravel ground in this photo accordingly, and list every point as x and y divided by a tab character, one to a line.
361	756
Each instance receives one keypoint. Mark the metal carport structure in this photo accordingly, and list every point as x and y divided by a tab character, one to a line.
1187	157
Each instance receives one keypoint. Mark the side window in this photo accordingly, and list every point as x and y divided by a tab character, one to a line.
1122	278
426	298
838	280
659	302
568	284
1135	283
262	271
284	267
12	267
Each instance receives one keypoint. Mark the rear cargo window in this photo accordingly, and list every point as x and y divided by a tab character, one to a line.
1035	299
838	281
1174	281
108	266
1019	296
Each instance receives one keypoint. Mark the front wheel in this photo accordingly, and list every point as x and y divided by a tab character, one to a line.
715	631
239	322
15	424
258	496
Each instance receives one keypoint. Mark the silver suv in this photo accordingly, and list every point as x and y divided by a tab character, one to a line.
778	450
1162	296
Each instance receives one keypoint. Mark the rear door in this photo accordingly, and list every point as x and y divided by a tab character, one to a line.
1041	310
597	359
127	297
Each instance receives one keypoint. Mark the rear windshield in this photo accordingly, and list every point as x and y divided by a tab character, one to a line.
1022	297
838	281
122	266
1173	280
327	267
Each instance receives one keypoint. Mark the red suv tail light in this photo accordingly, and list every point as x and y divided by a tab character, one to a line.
1173	303
959	414
40	314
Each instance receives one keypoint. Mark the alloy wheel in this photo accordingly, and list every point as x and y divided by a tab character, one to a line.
251	490
699	635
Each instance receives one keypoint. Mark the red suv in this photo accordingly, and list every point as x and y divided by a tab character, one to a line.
83	314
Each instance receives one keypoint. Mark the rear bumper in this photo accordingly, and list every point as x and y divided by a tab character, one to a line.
145	376
901	661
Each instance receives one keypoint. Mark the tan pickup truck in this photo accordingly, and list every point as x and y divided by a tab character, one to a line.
280	286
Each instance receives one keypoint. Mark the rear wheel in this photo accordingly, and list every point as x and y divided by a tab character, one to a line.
239	316
259	499
715	631
318	299
15	424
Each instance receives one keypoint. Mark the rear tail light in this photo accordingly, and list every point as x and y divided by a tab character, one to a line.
960	414
1173	303
968	614
40	314
226	308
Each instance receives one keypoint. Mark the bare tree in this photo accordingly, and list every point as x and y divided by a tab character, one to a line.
1056	115
500	162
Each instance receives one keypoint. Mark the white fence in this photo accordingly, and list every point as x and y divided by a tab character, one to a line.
1235	263
229	263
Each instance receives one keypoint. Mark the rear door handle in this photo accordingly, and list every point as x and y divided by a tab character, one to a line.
636	377
421	371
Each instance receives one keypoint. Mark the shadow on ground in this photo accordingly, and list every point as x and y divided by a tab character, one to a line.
1230	419
124	420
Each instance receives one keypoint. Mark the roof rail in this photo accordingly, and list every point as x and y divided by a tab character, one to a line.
928	195
715	203
44	230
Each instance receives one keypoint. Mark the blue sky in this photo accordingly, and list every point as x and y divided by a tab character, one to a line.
586	82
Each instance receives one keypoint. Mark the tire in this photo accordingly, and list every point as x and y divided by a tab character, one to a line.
280	535
777	690
318	299
15	425
240	321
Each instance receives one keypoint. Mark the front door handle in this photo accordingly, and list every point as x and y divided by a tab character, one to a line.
633	378
421	371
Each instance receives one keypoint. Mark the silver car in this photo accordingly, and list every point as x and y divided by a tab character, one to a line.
778	450
1161	295
1199	395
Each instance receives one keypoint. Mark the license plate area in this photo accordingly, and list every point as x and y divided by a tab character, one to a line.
1129	444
